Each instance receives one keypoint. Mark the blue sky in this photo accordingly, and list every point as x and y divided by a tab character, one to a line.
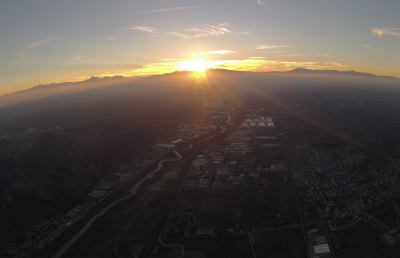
45	41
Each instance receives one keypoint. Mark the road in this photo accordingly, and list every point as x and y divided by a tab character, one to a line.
160	165
180	246
132	193
157	228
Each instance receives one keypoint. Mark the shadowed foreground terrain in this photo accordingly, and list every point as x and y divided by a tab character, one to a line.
57	142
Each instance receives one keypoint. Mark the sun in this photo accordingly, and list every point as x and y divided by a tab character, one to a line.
199	66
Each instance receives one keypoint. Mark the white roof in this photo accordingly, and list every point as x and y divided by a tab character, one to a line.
321	249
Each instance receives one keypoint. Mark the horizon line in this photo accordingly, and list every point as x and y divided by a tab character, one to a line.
359	73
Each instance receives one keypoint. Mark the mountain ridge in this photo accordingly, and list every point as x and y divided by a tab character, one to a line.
299	70
338	72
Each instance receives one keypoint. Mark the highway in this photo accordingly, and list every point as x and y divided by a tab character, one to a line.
157	228
132	193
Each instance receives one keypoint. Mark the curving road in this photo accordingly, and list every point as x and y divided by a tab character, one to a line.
180	246
160	165
133	192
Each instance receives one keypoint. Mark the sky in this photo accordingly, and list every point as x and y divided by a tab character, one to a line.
46	41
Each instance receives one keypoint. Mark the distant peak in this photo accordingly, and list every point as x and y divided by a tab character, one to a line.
337	72
300	70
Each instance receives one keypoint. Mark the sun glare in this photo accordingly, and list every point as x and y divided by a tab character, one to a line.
195	66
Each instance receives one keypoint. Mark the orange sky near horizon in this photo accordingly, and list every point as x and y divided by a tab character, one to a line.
253	64
58	41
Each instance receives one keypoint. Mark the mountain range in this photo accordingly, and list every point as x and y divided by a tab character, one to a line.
114	79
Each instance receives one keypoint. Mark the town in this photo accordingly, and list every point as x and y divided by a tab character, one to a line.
238	186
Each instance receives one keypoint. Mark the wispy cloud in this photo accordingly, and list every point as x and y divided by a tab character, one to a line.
201	32
281	65
291	55
335	64
34	45
323	54
261	2
245	33
214	52
179	35
221	52
257	57
171	9
111	38
26	52
386	32
265	46
144	29
75	60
